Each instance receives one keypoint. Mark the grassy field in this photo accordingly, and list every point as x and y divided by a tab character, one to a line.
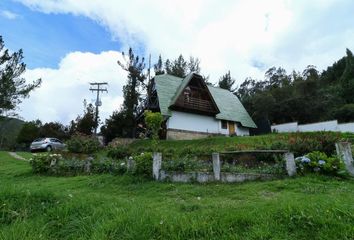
123	207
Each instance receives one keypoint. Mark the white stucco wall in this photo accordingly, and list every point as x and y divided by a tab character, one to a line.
201	123
194	122
321	126
286	127
346	127
242	131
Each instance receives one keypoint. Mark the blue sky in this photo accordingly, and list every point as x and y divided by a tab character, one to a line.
69	43
47	38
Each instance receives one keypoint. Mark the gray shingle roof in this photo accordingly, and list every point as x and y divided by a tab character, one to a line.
231	109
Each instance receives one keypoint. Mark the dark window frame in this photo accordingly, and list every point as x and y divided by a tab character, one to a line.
223	124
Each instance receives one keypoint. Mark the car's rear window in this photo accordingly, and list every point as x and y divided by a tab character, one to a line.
39	140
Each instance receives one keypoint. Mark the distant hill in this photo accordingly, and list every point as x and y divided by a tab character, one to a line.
9	129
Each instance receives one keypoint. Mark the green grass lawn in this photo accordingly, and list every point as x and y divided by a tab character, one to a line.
123	207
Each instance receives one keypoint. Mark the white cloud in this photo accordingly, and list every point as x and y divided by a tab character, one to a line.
8	14
246	37
224	34
63	90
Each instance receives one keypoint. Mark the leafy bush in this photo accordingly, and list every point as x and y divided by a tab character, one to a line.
74	164
119	152
83	144
143	164
41	163
153	122
319	162
305	143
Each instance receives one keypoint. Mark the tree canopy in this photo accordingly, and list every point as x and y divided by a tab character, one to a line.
306	97
13	87
227	82
178	67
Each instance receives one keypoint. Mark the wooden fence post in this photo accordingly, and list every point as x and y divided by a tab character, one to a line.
344	151
156	165
290	163
216	166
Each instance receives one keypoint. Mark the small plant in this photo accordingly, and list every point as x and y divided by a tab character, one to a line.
153	122
80	143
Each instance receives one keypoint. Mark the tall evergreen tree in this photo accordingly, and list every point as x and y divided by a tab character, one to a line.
158	67
86	124
227	82
135	66
181	68
347	79
194	65
12	86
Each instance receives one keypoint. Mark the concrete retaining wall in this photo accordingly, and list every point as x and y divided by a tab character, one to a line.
320	126
346	127
203	177
177	134
217	176
286	127
333	126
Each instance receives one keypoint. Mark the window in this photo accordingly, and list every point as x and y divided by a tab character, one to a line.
223	124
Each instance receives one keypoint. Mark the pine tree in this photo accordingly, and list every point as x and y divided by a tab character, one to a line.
12	86
158	67
347	79
227	82
87	123
181	68
136	80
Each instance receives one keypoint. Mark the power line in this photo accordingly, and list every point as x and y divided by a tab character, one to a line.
98	102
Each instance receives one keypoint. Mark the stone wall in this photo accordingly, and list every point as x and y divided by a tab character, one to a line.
177	134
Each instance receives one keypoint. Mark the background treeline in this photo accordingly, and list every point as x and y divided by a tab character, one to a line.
307	96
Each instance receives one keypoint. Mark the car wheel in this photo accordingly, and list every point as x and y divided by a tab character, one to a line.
48	148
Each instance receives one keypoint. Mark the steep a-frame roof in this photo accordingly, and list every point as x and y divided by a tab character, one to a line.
185	82
169	87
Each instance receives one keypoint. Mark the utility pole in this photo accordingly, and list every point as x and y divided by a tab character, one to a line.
98	102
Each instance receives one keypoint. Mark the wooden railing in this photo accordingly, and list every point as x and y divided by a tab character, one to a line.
195	103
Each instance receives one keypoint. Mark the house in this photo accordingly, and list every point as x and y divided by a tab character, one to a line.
192	109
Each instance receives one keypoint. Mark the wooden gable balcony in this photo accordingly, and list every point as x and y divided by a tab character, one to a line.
193	104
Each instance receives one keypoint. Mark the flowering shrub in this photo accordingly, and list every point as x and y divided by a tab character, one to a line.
41	163
80	143
319	162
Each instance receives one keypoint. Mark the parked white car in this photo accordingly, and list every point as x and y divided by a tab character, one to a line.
47	144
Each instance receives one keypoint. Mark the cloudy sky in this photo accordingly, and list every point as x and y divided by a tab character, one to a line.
69	43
